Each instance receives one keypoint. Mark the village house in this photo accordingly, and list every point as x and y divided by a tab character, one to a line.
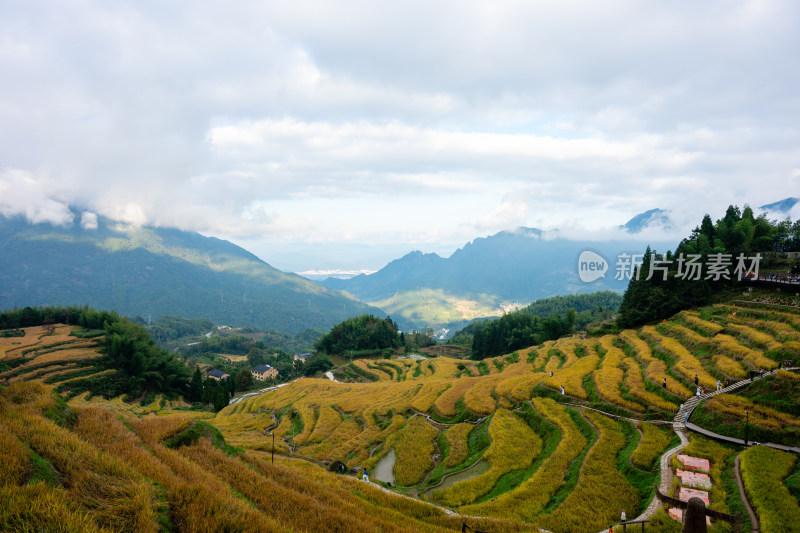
302	356
216	375
263	372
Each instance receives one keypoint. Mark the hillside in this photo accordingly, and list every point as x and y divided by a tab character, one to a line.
483	277
151	272
493	438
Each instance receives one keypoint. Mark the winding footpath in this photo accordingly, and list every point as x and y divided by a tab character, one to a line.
680	425
756	527
685	415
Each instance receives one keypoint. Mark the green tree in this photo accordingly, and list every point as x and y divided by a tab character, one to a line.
244	379
221	399
255	356
196	386
318	363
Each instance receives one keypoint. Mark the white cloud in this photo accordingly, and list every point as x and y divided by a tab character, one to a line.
88	220
378	122
23	193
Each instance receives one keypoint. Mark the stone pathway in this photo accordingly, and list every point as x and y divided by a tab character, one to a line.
692	402
680	426
666	473
690	405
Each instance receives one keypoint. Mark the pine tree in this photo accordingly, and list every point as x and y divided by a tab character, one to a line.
221	399
196	386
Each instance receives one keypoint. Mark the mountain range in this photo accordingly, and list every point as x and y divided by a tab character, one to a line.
151	272
485	277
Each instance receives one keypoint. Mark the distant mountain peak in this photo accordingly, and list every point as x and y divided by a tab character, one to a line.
416	257
522	231
781	206
650	218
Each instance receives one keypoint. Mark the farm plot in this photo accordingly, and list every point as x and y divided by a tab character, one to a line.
514	445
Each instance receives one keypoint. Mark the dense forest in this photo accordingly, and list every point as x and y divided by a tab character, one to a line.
82	316
712	259
546	319
170	328
142	367
360	333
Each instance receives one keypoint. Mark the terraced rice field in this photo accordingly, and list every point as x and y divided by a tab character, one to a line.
519	446
450	399
48	354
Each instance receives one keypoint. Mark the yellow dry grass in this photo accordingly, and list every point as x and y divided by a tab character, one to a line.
326	424
12	347
784	330
785	374
120	497
446	402
309	417
763	473
14	460
427	394
234	358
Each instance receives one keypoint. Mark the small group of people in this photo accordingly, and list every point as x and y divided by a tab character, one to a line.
779	278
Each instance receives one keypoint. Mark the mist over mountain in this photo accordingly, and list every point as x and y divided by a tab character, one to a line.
489	273
648	219
782	206
157	271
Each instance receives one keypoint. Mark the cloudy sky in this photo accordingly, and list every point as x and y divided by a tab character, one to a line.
324	134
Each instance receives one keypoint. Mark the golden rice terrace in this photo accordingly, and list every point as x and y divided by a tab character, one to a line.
514	443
